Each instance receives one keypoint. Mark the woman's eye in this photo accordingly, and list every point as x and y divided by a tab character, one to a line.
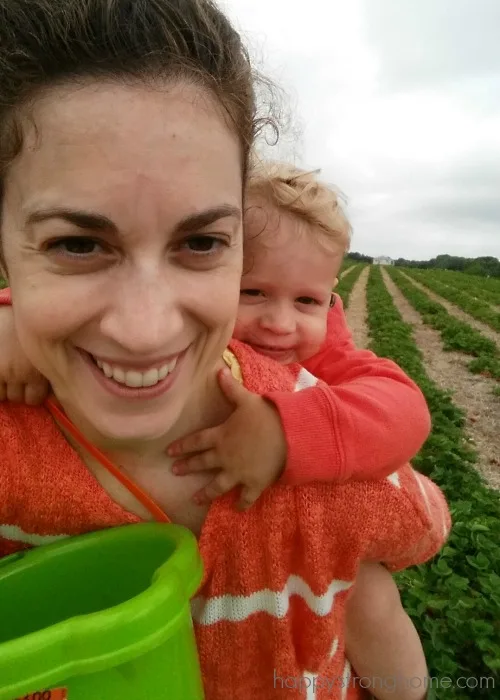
76	246
306	300
251	292
203	244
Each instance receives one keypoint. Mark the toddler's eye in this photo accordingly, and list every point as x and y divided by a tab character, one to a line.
307	300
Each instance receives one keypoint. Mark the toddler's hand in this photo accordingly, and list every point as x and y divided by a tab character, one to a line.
19	380
248	449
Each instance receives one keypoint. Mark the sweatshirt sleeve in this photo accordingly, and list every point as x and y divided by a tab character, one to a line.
410	521
368	420
5	297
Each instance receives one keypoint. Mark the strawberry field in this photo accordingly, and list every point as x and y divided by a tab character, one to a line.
454	600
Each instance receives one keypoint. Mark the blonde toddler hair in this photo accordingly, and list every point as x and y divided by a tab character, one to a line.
300	193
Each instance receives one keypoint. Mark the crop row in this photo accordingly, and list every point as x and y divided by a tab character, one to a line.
345	285
455	334
465	300
454	600
478	287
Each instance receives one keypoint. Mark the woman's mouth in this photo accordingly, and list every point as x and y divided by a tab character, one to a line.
133	378
137	381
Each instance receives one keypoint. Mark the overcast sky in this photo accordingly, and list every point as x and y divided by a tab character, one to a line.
398	102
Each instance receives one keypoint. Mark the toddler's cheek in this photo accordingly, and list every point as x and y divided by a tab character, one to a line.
240	327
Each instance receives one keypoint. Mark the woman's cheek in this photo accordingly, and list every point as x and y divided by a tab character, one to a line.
219	295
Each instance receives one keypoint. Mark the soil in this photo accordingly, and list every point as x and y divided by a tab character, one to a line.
356	311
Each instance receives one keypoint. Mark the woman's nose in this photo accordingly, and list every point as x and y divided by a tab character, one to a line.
145	319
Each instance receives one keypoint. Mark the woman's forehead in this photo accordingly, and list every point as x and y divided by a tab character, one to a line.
102	144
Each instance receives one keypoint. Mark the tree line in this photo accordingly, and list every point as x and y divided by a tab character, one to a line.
486	266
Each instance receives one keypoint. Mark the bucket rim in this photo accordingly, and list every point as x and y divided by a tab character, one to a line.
154	613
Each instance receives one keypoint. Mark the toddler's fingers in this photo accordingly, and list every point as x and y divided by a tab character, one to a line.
15	392
196	463
248	497
222	483
35	394
197	442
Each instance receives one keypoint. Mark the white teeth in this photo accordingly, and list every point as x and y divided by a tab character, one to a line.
107	369
163	371
150	378
119	375
133	378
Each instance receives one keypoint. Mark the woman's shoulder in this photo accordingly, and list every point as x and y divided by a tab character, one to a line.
29	439
262	375
24	424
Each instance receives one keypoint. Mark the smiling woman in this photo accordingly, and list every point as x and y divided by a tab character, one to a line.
125	129
83	223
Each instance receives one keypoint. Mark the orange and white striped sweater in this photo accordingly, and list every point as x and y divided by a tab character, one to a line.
269	616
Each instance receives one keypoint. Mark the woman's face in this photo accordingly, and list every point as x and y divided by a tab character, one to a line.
122	240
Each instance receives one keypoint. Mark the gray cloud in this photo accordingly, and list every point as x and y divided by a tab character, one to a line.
433	41
398	102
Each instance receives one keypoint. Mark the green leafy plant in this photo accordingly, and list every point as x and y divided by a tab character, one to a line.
454	600
345	285
464	299
455	334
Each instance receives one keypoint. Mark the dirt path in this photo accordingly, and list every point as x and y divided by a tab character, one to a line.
472	393
458	313
356	311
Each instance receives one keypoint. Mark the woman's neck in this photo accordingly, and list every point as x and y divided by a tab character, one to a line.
149	467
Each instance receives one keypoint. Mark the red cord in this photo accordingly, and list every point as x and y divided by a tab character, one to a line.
130	485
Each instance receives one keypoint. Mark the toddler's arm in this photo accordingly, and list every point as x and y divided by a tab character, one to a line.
369	420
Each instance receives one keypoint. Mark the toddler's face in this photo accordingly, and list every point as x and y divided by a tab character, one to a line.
286	286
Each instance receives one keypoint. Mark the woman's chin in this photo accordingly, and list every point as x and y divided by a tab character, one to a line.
113	418
114	430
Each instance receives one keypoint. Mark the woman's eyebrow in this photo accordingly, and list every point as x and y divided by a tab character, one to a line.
194	222
81	219
98	222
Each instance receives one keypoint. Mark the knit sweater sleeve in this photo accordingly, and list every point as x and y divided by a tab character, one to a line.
367	421
411	521
7	479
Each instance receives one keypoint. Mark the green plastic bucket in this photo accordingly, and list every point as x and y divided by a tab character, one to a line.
103	616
